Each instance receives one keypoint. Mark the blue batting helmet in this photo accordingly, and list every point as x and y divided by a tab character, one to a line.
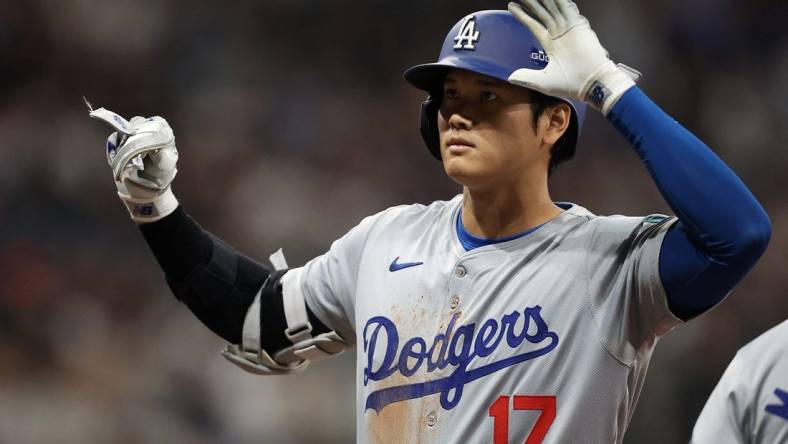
493	43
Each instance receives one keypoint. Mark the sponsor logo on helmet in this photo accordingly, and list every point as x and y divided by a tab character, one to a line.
467	35
539	57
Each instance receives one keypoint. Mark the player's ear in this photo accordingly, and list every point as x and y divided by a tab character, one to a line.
554	122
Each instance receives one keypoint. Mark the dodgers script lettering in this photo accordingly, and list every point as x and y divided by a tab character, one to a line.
452	347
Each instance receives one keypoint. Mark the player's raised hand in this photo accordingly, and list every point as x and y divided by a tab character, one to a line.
143	159
579	67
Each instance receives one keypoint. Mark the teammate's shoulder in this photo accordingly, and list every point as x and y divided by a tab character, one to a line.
771	341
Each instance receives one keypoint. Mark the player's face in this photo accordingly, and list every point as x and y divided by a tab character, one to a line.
487	136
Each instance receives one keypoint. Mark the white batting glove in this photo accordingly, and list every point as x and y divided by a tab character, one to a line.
578	67
143	159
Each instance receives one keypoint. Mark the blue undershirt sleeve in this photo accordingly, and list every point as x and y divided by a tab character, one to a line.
721	231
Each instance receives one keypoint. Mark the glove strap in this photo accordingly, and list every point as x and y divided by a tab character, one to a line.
608	84
144	211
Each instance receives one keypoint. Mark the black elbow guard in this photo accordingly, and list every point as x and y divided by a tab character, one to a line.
220	291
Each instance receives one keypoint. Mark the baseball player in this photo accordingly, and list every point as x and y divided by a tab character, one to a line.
497	315
750	403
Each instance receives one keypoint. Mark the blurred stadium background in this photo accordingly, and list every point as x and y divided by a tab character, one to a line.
293	123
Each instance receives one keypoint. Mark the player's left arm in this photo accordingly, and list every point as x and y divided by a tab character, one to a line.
722	230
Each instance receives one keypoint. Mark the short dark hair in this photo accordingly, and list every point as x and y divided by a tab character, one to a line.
564	148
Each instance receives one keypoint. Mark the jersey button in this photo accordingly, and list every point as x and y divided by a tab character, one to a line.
460	271
432	419
454	302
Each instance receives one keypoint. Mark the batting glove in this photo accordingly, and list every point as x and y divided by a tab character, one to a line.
578	67
143	158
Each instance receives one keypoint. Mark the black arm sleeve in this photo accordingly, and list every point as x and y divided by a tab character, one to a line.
217	283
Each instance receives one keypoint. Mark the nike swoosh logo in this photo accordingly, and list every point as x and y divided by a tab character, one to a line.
395	266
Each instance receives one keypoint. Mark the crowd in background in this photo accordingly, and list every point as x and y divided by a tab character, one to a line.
293	123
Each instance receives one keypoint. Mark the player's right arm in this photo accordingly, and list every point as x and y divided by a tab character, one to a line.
247	303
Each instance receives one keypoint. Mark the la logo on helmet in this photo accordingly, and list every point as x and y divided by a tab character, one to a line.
467	35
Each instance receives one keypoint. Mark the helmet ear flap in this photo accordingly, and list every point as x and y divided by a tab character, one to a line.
429	124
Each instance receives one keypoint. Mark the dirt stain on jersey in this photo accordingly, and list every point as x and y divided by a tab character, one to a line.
397	422
408	421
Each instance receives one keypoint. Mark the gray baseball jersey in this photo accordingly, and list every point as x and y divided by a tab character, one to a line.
544	338
750	403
